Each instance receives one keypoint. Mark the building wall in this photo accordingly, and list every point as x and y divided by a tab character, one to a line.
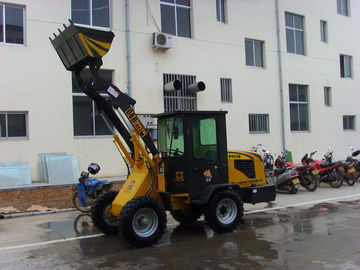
34	80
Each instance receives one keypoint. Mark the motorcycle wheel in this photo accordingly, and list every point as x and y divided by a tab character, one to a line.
350	179
309	182
77	204
292	189
337	180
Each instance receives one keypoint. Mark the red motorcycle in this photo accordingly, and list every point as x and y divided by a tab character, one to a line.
329	172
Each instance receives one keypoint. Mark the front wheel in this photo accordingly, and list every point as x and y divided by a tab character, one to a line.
101	216
309	182
77	204
337	180
143	221
224	211
350	179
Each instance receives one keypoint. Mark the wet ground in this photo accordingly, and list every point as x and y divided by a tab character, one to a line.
317	236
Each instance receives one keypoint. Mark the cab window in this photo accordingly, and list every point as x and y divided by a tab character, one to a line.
204	139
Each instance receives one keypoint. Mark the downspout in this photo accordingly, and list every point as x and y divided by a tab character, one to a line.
281	82
128	53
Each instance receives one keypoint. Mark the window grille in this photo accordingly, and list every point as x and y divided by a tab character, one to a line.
259	123
226	90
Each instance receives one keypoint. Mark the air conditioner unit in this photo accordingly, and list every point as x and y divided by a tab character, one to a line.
162	41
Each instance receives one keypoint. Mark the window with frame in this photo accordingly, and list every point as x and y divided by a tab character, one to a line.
259	123
87	121
175	17
345	66
226	90
343	7
349	122
204	139
220	11
13	125
254	53
180	100
11	24
294	33
91	12
299	107
323	31
327	96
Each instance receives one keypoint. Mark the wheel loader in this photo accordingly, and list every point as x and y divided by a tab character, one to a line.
189	173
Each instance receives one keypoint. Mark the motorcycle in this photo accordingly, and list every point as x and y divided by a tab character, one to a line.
329	172
285	178
351	174
88	189
307	174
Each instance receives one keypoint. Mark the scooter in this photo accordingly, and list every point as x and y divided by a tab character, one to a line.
88	189
285	178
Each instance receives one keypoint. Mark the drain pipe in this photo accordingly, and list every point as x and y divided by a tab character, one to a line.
128	54
281	83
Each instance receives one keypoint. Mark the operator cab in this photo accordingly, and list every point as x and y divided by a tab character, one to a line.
196	149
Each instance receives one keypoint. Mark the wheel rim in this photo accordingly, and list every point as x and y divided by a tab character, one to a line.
108	218
145	222
226	211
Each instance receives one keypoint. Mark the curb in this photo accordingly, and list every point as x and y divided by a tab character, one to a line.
16	215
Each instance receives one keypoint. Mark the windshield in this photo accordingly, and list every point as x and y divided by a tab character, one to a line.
171	136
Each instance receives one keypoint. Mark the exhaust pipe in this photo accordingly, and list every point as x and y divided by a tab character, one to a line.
172	86
195	87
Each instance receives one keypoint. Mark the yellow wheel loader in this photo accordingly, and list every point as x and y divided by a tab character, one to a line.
190	173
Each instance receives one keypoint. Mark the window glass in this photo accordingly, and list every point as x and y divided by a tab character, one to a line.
100	13
80	11
167	1
289	20
303	116
171	136
1	24
345	7
293	92
249	51
2	125
14	25
168	19
183	22
258	54
302	93
183	2
294	117
204	139
16	125
290	41
299	36
82	116
298	22
101	128
347	64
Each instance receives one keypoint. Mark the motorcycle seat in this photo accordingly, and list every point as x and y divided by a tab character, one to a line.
278	171
301	168
324	165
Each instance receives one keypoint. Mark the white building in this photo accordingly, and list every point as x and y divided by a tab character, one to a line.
231	45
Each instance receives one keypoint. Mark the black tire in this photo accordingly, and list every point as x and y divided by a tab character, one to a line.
99	213
309	182
150	209
185	216
350	179
338	180
77	205
212	212
293	189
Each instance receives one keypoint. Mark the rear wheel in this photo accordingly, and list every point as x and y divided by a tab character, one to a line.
100	213
143	221
224	211
185	216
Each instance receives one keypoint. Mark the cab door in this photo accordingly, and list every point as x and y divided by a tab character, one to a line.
206	154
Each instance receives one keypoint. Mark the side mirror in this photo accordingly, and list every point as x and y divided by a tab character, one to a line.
93	168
